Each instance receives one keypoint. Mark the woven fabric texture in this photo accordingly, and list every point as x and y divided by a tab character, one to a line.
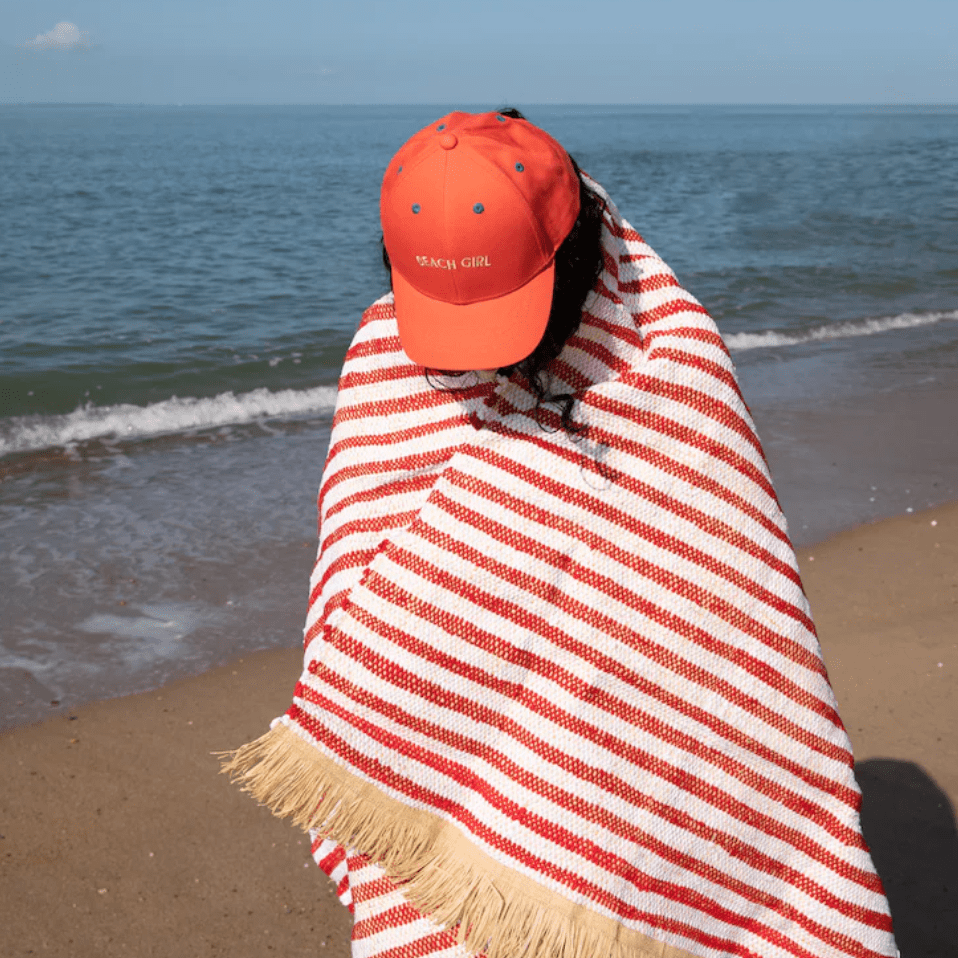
563	694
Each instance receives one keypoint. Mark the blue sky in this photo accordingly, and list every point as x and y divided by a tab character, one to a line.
424	51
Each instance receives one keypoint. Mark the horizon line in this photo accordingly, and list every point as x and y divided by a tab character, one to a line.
691	103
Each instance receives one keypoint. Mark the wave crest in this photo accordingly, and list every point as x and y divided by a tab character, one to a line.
739	342
22	434
174	415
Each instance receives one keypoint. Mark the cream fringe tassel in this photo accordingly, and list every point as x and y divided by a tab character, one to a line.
495	910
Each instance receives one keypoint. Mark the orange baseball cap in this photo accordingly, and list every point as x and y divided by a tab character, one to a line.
474	208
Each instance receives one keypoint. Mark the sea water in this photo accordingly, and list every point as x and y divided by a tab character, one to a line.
178	286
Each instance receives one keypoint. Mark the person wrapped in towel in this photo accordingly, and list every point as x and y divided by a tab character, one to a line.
562	694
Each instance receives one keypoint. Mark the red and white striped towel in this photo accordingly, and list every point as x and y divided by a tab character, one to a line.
563	697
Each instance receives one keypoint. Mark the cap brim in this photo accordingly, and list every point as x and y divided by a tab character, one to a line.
485	335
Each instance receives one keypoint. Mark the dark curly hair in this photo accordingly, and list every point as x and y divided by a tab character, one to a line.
578	265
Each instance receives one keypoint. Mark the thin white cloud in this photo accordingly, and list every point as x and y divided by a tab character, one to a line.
64	36
319	72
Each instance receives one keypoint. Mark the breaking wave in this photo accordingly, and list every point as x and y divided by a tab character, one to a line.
126	421
739	342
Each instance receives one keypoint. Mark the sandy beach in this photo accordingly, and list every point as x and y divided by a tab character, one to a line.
119	837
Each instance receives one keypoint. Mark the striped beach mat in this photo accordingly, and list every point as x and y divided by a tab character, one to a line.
562	694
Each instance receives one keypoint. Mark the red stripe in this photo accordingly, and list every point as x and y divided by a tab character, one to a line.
702	402
469	782
384	374
648	284
596	506
342	889
394	487
721	373
360	558
733	616
395	436
569	374
357	558
571	802
670	660
331	861
602	290
602	353
613	667
334	602
614	331
609	264
701	363
381	346
366	525
626	334
403	405
398	915
537	625
689	332
414	462
685	435
609	665
660	461
427	944
622	232
708	523
641	450
373	888
672	308
376	311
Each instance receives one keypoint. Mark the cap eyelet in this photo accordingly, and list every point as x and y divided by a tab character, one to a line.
478	208
500	118
399	170
416	207
519	167
441	126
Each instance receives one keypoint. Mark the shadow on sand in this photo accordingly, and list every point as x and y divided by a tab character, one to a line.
909	825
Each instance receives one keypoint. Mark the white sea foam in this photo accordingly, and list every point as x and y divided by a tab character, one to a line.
126	421
739	342
170	416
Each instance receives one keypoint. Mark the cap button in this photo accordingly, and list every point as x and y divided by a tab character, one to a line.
448	140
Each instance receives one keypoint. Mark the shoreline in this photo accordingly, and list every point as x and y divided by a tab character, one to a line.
283	617
938	515
130	569
120	837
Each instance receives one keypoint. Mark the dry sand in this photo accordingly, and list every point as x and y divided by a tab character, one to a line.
119	837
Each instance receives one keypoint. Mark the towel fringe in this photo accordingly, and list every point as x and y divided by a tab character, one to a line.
459	888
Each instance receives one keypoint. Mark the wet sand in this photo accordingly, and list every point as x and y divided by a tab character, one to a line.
121	838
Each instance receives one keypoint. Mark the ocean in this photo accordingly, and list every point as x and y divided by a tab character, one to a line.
178	286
